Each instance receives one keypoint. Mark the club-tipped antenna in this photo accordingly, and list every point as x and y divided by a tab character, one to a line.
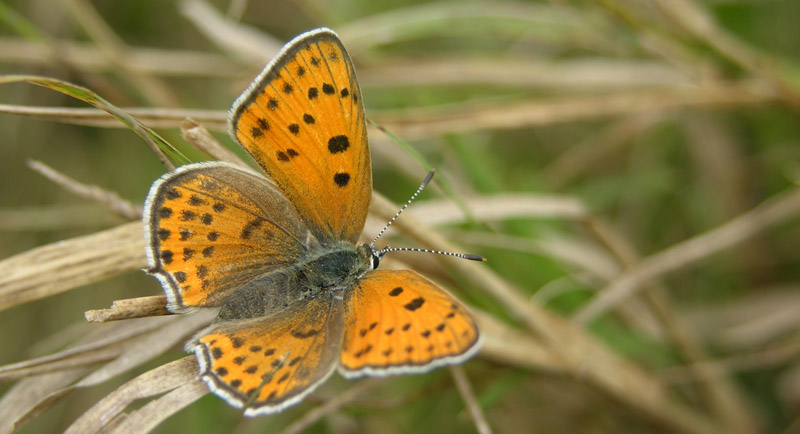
388	249
413	196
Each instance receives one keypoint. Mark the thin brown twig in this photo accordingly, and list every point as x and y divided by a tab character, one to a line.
330	406
199	137
115	51
111	200
152	117
87	57
767	214
140	307
720	395
465	390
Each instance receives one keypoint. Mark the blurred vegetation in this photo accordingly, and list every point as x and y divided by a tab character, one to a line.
630	166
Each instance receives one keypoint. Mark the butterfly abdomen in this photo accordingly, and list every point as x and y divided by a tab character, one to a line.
264	295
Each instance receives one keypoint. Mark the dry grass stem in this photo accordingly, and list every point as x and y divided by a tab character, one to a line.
111	200
152	383
764	358
768	214
692	18
152	117
499	207
55	218
465	389
199	137
140	307
59	267
567	109
232	37
572	75
87	57
99	345
342	399
22	402
115	50
581	157
156	411
720	394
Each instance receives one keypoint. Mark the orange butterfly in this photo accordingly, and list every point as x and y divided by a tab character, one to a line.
297	297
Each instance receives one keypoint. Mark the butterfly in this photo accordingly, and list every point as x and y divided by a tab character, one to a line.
298	298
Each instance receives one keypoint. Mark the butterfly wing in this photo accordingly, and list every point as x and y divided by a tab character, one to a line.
268	363
212	227
400	322
302	120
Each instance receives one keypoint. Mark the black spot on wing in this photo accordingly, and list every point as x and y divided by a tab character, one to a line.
414	304
341	179
337	144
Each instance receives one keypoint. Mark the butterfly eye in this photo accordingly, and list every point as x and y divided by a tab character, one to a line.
375	261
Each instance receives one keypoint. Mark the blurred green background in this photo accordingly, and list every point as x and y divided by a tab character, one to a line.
664	119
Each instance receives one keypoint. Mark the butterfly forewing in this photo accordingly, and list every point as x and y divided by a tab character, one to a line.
213	227
302	120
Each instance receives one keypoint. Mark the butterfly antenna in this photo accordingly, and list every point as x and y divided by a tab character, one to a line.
413	196
382	252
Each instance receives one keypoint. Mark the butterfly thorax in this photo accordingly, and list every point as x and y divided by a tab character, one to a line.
337	268
327	272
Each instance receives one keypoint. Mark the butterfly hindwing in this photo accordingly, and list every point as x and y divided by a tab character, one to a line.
267	363
303	121
212	227
400	322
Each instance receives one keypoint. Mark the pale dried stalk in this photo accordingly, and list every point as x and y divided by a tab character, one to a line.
767	214
152	383
137	351
115	51
333	404
125	344
88	58
499	207
111	200
141	307
100	344
56	217
772	357
231	36
424	124
721	396
17	404
696	21
465	389
587	74
199	137
152	117
156	411
61	266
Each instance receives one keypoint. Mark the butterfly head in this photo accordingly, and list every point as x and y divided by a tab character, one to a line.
370	256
